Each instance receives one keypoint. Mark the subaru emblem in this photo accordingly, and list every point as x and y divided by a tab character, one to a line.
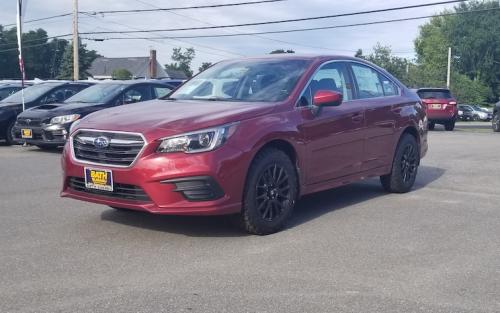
101	142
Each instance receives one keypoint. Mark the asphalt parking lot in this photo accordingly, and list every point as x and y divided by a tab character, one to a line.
353	249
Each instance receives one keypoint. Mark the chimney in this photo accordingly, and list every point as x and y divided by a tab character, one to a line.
152	63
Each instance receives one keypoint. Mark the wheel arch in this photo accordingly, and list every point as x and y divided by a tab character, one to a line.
289	149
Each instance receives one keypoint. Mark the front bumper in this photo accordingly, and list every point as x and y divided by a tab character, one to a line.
208	183
53	135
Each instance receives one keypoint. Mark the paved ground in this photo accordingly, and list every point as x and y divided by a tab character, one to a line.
354	249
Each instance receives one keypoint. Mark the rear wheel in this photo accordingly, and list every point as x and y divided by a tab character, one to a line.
495	122
449	126
431	125
404	167
270	193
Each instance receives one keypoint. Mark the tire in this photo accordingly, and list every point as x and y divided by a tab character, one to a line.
270	193
475	118
449	126
495	123
404	166
431	125
9	137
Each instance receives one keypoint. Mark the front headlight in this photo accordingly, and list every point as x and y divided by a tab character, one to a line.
64	119
198	141
73	126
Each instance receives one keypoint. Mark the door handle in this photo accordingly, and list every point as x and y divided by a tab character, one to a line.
358	117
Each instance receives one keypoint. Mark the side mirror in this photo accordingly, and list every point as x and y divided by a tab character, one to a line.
327	98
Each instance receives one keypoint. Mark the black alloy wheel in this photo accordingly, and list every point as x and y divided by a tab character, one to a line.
404	166
495	122
409	163
273	192
270	193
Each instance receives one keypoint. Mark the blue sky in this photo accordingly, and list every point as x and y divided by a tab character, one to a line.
344	41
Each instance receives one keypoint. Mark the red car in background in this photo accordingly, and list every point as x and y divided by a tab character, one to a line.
440	105
249	137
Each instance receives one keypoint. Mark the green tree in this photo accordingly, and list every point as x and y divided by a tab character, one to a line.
204	66
359	54
383	57
475	42
182	60
121	74
278	51
86	57
41	56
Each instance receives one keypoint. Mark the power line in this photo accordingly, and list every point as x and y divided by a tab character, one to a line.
288	20
158	40
256	36
307	29
184	8
41	19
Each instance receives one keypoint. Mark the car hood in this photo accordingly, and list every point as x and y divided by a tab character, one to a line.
164	117
58	109
9	104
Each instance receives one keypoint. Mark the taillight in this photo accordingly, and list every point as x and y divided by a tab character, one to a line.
453	103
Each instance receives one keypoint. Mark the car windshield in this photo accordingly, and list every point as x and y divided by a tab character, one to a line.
30	93
99	93
434	94
251	80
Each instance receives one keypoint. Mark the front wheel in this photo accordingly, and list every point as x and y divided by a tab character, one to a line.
270	193
495	123
449	126
431	125
404	167
9	134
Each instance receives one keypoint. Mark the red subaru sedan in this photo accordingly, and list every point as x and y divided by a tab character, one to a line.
250	137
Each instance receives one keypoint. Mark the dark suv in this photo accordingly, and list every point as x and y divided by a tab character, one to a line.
441	107
249	137
47	126
43	93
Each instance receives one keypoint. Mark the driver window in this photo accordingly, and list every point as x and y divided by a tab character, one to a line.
332	77
55	96
136	94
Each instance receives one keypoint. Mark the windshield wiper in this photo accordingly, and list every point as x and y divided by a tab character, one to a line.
168	98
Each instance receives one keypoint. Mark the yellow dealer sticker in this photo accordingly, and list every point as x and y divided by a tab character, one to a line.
98	179
26	133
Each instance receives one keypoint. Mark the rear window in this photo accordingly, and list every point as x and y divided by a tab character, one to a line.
434	94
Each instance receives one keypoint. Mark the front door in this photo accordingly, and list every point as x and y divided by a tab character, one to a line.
334	136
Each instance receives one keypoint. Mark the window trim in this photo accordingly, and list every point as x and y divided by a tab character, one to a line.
304	89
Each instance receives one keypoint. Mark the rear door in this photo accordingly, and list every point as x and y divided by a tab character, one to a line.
334	135
381	98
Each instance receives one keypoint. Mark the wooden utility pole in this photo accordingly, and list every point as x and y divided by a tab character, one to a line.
76	61
449	69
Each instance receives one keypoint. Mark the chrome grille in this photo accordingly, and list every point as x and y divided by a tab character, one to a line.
122	150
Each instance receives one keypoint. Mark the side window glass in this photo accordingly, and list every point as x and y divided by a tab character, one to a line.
332	77
55	96
136	94
390	89
161	91
369	85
